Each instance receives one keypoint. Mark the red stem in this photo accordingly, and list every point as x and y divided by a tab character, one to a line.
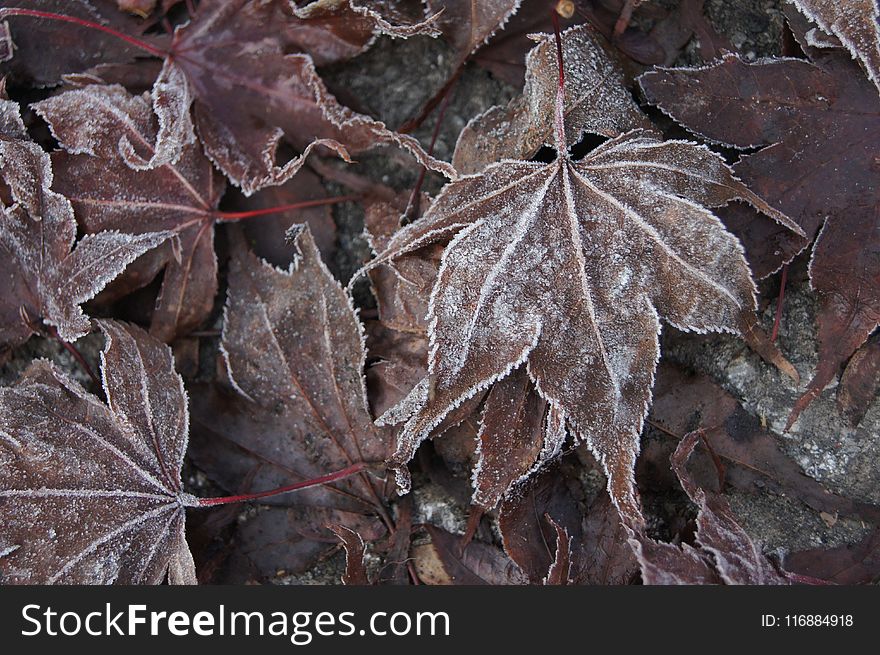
34	13
76	354
238	216
412	207
305	484
779	303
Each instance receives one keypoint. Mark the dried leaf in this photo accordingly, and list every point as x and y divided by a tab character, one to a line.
567	267
447	561
44	51
108	194
818	126
355	570
469	24
91	493
335	30
142	8
860	382
213	59
857	563
855	22
726	553
532	516
47	277
293	350
751	455
596	102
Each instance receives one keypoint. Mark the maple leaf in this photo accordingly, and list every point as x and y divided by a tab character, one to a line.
539	510
41	54
335	30
724	554
47	277
294	354
237	49
855	22
469	24
596	102
567	268
91	493
817	124
217	54
108	194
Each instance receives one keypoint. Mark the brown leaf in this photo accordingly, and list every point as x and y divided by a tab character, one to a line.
725	551
817	124
46	50
107	194
513	438
355	570
567	268
468	24
294	354
91	493
47	275
212	65
447	561
335	30
750	454
856	23
505	53
596	102
142	8
531	519
860	382
857	563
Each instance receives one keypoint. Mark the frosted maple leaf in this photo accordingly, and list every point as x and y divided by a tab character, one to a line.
566	269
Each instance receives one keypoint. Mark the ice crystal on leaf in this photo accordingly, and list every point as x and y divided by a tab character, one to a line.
855	22
566	269
106	193
90	493
242	117
46	275
596	102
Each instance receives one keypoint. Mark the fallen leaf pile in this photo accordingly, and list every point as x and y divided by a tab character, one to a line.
483	398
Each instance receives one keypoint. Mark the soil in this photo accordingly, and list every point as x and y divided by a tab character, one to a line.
392	81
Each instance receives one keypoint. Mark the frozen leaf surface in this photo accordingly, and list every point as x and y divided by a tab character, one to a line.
855	22
109	195
297	407
596	102
90	493
567	268
335	30
469	24
248	94
46	274
817	124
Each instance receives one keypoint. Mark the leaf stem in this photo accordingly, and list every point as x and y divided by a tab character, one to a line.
82	22
412	207
76	354
238	216
354	469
